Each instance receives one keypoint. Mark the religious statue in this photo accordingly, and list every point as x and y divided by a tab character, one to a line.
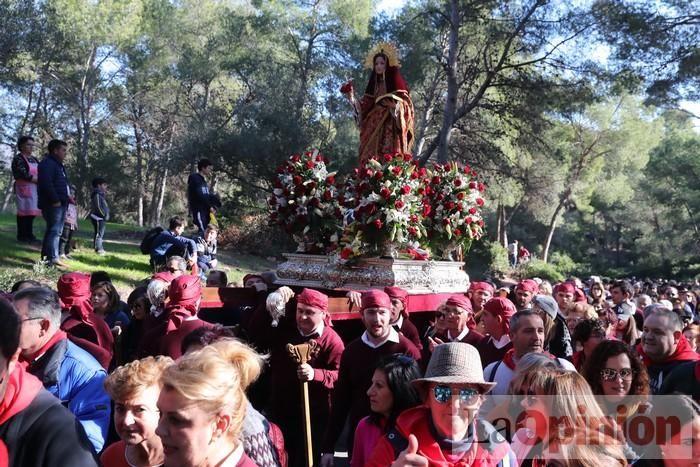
385	112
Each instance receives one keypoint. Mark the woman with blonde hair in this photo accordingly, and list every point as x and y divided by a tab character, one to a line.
577	312
203	405
583	448
134	388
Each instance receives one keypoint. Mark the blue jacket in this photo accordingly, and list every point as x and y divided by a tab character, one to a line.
73	376
198	194
166	239
100	208
53	182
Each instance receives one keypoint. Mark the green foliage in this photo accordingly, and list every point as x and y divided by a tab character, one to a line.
538	268
487	259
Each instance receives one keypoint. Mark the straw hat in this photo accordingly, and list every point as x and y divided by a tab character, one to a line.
454	363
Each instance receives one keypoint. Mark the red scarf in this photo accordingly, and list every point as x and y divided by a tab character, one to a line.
22	388
683	353
510	363
178	314
59	336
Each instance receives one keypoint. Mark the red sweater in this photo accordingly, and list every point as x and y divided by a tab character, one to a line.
410	330
354	378
171	342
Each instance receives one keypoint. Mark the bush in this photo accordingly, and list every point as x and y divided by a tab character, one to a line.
252	234
564	264
538	268
487	258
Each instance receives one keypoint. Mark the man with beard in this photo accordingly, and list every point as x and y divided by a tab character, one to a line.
663	347
525	291
357	365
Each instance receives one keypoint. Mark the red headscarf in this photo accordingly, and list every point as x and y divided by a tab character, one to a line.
74	296
184	293
397	293
579	296
481	286
460	301
375	299
565	287
313	298
165	276
529	285
502	307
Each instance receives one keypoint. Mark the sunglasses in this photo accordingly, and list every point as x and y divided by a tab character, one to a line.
608	374
443	394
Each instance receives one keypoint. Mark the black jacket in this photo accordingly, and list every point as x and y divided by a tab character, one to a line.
198	194
53	182
100	208
46	434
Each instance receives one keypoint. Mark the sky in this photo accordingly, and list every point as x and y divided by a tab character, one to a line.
390	7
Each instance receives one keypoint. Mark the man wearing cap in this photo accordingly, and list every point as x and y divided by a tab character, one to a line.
663	347
357	366
399	312
460	323
480	293
446	430
527	335
564	294
525	291
496	320
311	321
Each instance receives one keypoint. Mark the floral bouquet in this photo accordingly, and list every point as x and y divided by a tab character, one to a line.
383	207
452	203
305	203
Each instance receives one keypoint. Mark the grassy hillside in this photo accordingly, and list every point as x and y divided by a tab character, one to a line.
124	261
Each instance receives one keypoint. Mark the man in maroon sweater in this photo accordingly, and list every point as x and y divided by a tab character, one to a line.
460	324
311	322
496	319
357	366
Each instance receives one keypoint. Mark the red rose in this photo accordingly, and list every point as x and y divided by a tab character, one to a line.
457	232
474	173
345	253
468	220
467	169
420	190
481	187
460	195
414	218
311	185
296	180
315	202
436	180
405	189
440	197
480	201
472	210
319	158
378	224
449	205
327	195
458	182
407	157
472	185
446	221
481	222
367	173
379	175
280	169
459	207
385	193
396	170
414	175
398	155
428	190
412	231
330	179
296	158
388	158
309	165
423	171
399	204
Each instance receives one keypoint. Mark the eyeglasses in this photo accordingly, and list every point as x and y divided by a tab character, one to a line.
453	312
443	393
440	315
608	374
30	319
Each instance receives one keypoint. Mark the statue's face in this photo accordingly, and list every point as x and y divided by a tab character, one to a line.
380	65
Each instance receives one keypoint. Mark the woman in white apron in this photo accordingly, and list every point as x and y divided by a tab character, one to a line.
25	170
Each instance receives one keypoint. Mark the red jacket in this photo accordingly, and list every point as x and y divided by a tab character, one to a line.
494	451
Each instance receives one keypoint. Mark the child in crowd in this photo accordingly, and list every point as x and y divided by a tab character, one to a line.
99	215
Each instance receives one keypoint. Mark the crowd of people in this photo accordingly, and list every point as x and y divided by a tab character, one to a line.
537	375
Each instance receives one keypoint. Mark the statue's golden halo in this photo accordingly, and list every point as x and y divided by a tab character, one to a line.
387	49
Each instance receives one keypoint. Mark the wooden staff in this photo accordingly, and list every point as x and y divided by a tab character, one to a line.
301	354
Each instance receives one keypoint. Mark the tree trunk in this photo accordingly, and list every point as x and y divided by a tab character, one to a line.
161	196
8	193
139	175
452	87
550	232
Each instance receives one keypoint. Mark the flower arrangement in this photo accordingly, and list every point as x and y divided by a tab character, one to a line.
383	207
305	203
452	205
388	207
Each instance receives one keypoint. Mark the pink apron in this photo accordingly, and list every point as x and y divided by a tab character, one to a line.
27	194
